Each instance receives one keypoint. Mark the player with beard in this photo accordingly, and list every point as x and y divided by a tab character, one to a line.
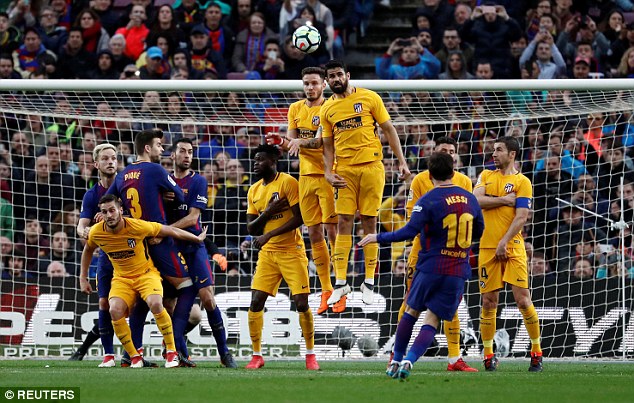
349	120
187	217
316	195
273	219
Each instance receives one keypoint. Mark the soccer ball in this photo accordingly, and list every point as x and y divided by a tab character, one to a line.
343	337
306	38
368	346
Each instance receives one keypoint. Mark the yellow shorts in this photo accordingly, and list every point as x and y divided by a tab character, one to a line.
128	288
364	191
494	273
412	260
272	267
316	200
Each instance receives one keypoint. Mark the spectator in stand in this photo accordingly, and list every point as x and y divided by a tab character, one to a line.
61	251
562	13
587	33
271	64
324	15
22	156
345	20
618	165
240	14
581	68
461	14
626	66
182	61
620	45
14	264
612	25
249	44
441	14
551	63
5	180
6	67
20	14
414	61
7	222
306	15
592	152
484	70
116	45
229	212
109	19
273	12
57	269
165	25
456	68
95	36
74	60
135	32
491	30
10	35
223	141
538	266
204	58
63	10
152	109
105	67
26	58
52	34
33	242
154	68
66	221
295	60
221	37
533	19
188	14
568	163
451	41
583	268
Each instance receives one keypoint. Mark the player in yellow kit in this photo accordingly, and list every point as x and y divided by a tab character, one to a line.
349	121
420	186
273	219
124	241
505	197
316	195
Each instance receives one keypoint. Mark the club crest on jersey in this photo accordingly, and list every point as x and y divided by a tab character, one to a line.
276	195
131	243
508	188
358	107
316	120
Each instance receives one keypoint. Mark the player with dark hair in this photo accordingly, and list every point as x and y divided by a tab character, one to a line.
123	240
316	195
142	186
505	197
187	217
273	219
448	219
349	120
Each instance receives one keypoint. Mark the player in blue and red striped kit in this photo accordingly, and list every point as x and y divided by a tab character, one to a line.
142	186
448	219
187	217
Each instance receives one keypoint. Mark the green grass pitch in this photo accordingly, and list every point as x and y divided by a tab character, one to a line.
338	381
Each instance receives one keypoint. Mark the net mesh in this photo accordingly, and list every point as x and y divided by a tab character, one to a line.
576	146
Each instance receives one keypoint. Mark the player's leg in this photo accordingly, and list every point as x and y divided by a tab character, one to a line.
490	281
321	258
122	295
256	324
371	258
340	257
214	317
421	343
412	261
452	333
307	323
401	340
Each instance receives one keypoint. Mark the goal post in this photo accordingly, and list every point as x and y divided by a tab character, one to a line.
576	138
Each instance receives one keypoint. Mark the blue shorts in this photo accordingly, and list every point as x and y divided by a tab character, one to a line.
199	267
104	275
439	293
168	259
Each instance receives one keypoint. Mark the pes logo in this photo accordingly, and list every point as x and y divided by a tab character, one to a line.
508	188
131	243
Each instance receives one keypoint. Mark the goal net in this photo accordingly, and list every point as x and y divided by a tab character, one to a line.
576	138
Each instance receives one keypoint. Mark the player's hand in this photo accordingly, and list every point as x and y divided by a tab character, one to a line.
169	196
500	251
84	286
84	234
276	205
273	139
336	181
260	241
370	238
154	241
404	172
98	217
510	199
293	147
203	234
220	261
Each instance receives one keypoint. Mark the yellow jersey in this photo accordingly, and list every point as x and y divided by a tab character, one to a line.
283	186
126	249
305	119
498	220
421	184
352	122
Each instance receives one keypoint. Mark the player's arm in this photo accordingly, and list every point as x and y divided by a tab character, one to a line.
168	230
256	223
190	220
83	227
489	202
413	227
86	258
521	215
392	138
329	160
289	225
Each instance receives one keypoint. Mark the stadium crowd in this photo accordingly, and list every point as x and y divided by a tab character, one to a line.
46	162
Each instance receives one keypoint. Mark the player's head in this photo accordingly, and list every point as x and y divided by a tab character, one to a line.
265	158
110	207
505	150
446	145
314	82
440	166
337	76
105	157
183	153
148	144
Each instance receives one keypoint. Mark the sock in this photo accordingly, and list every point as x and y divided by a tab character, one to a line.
371	254
321	257
308	328
452	332
218	330
106	332
91	337
531	321
164	324
137	322
421	343
122	330
343	244
180	317
256	323
487	329
403	334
